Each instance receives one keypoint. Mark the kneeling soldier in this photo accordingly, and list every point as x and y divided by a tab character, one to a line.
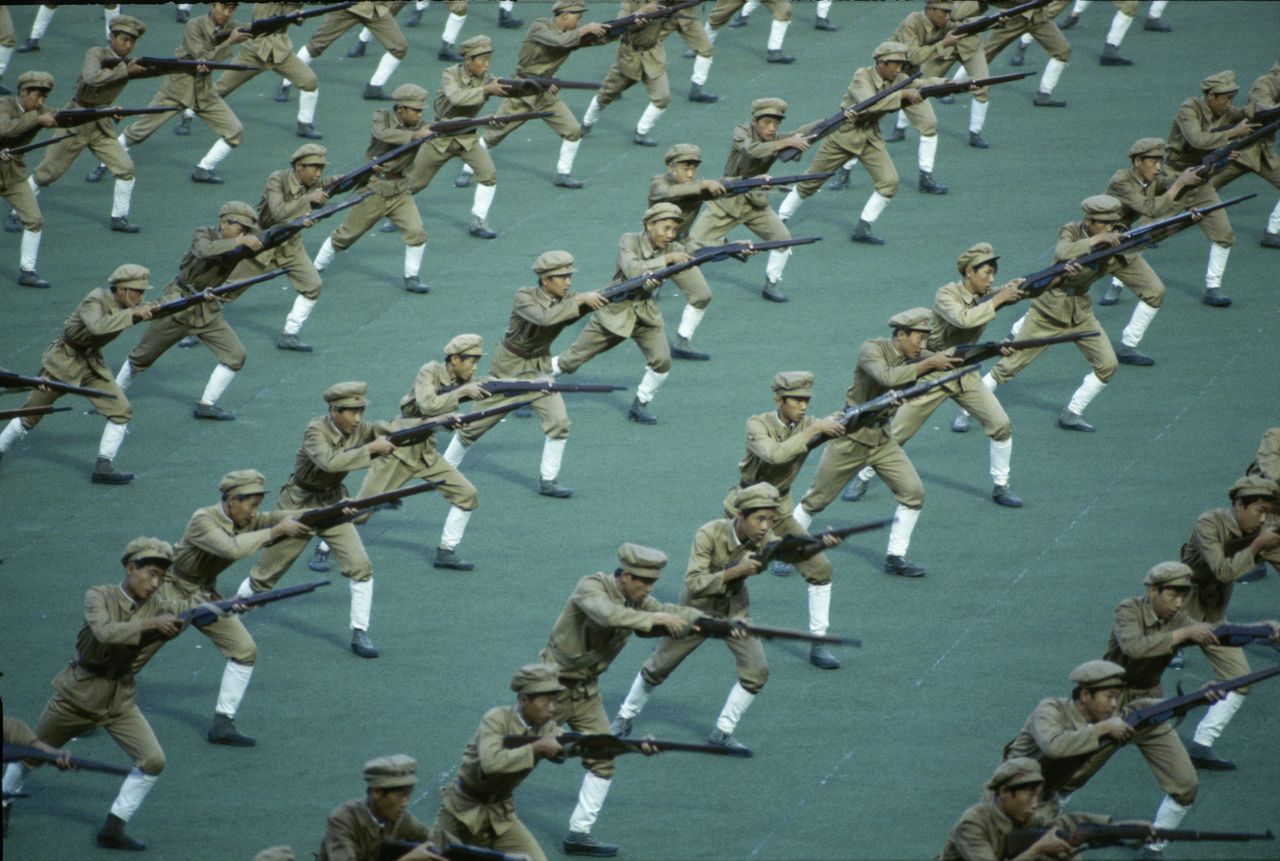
357	829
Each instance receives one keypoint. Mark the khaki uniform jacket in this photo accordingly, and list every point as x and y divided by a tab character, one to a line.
715	548
424	399
775	451
1213	572
537	318
982	832
1069	303
749	155
353	834
1142	643
17	732
545	49
636	256
97	321
959	317
202	268
916	30
271	48
596	623
854	134
663	188
641	52
1263	95
285	198
1190	138
1058	737
98	86
389	179
199	42
322	463
18	127
489	772
211	543
1150	200
880	368
461	96
1267	463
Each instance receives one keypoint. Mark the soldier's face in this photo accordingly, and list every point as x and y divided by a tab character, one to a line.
684	171
634	589
536	709
462	368
1019	802
478	65
910	342
127	298
888	69
557	285
980	278
792	410
1219	102
937	17
389	804
122	43
230	229
1168	601
566	21
221	12
33	98
407	116
767	127
1250	516
753	525
308	174
1093	228
662	232
241	509
346	419
141	581
1100	704
1146	168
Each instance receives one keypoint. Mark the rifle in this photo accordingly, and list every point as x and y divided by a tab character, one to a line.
175	306
979	25
1180	705
1088	836
18	381
19	412
1219	158
332	515
1038	282
278	234
510	387
360	175
616	26
975	353
276	23
534	84
622	290
1265	116
70	119
855	416
1241	635
738	186
952	87
417	433
13	752
393	850
204	615
840	117
604	745
19	150
798	548
155	66
722	629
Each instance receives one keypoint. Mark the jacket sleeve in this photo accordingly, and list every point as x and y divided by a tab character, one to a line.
769	450
332	458
872	361
1133	641
494	758
701	578
592	600
105	630
1056	737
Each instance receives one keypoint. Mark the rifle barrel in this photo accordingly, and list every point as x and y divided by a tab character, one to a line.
19	412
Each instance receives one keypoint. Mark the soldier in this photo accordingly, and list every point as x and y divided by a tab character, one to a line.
21	119
477	808
1267	461
332	445
1065	308
289	194
1264	95
1226	544
638	318
125	624
98	86
701	51
781	11
425	401
545	49
600	616
538	315
755	148
1126	11
821	17
882	365
680	185
216	537
356	830
452	25
378	17
8	41
392	197
777	446
1039	24
44	17
75	357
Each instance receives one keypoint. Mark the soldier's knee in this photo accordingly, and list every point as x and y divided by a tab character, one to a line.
710	52
488	176
236	358
1001	430
399	51
661	366
661	103
816	571
558	429
415	237
361	571
753	680
124	175
782	12
315	50
32	224
152	763
235	138
650	677
1187	797
1154	297
602	768
1106	370
910	494
123	415
573	136
701	301
245	654
465	497
309	287
1064	55
887	186
928	128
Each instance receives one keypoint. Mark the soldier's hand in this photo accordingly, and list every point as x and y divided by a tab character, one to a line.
748	248
547	747
381	446
167	624
1275	629
738	631
831	540
713	187
911	96
1009	292
202	69
252	242
1201	634
5	155
237	37
674	624
595	28
1196	215
1241	129
593	300
1189	177
674	257
942	361
950	39
1114	727
1267	539
826	427
1072	269
744	567
289	528
135	69
142	312
419	134
646	746
652	283
1212	695
493	88
318	197
63	761
1050	845
47	120
472	391
799	142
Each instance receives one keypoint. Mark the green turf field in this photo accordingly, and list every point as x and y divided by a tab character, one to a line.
874	761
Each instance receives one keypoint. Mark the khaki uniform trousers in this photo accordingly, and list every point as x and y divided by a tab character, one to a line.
748	653
816	569
1042	28
342	539
99	138
977	400
1227	662
22	199
117	411
1235	170
922	118
516	840
1140	278
725	9
658	88
385	202
696	38
384	29
580	707
693	284
291	69
162	334
562	121
228	633
390	473
870	152
292	257
429	160
63	720
596	339
551	408
215	113
1096	351
554	416
8	38
715	221
844	456
974	62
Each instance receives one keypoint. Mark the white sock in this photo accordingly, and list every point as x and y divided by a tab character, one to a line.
125	375
552	455
1017	325
1143	314
483	200
568	152
188	114
701	68
928	149
324	257
977	115
33	185
1052	71
1273	220
1119	26
1157	8
365	35
468	169
1169	815
109	14
5	54
904	522
132	793
901	122
304	55
989	381
456	451
12	432
1001	453
455	524
121	197
361	603
1079	7
218	382
452	27
112	436
413	259
592	113
777	262
44	15
215	155
777	32
555	365
647	120
1025	40
711	34
689	320
15	775
590	799
299	313
874	206
307	106
734	708
1088	390
636	697
246	588
507	6
867	473
790	204
824	6
961	74
751	6
30	250
650	384
235	681
802	517
123	141
1215	720
386	66
819	608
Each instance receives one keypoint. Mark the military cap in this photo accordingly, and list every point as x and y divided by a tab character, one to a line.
276	853
35	81
664	210
554	263
915	320
475	46
793	384
309	154
148	548
537	679
1098	674
410	96
891	52
1222	82
565	6
762	494
128	24
976	255
640	561
946	5
682	153
1168	574
1254	485
465	345
1018	771
1147	148
768	108
345	395
391	772
1102	207
241	213
131	276
243	482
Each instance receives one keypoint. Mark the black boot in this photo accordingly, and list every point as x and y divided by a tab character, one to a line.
111	836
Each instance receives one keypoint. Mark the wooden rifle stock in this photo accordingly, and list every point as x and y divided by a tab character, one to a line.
18	381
